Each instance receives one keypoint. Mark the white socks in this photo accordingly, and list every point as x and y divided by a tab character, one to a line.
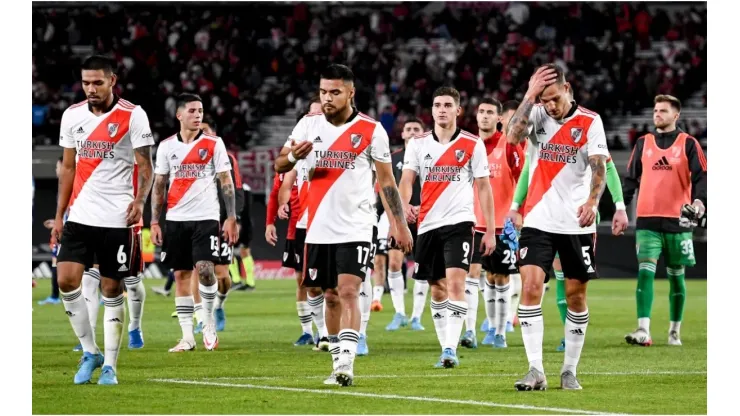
421	288
503	298
471	298
90	291
304	315
395	283
675	326
334	350
456	311
348	339
76	309
575	334
439	317
200	314
317	313
220	300
489	296
378	293
136	297
185	307
113	318
208	295
533	330
644	323
515	281
365	301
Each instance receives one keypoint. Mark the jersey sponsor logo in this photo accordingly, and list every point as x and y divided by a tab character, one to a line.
662	164
312	274
336	159
112	129
560	153
523	252
443	173
95	149
576	133
147	135
355	139
189	170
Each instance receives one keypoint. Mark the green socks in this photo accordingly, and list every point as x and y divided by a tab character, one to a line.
677	280
249	269
560	295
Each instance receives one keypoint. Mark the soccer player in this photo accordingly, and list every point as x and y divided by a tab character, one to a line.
340	148
53	299
448	161
670	169
568	143
412	127
102	138
505	162
193	161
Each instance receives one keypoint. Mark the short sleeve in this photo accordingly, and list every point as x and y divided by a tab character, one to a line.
536	118
410	158
379	148
299	133
139	130
220	158
162	163
66	139
597	139
479	160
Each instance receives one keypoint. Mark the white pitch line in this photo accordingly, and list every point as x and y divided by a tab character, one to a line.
386	396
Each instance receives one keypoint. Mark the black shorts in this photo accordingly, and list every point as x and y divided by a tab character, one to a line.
325	262
188	242
294	250
443	248
414	238
116	250
538	248
502	261
245	233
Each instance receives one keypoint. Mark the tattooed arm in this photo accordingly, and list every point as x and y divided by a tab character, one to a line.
227	188
390	196
159	192
519	124
587	211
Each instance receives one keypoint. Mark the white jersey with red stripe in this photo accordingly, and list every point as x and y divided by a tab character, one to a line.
559	172
104	183
446	172
301	181
340	202
192	169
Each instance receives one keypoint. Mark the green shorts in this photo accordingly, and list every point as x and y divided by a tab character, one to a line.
677	247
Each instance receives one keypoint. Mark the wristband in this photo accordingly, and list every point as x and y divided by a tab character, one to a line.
514	206
291	158
620	206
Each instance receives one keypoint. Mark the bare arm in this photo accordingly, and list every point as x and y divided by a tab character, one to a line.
286	187
485	199
598	178
389	193
66	181
282	164
158	194
406	186
143	157
519	124
227	188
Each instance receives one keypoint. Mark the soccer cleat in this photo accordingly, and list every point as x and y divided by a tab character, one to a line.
397	322
439	364
304	339
135	339
533	380
415	324
568	381
490	336
376	306
322	345
362	348
509	327
198	328
499	341
173	314
210	338
344	374
468	340
220	319
50	301
88	364
183	345
484	326
561	347
77	348
331	380
108	376
674	339
160	290
639	337
449	359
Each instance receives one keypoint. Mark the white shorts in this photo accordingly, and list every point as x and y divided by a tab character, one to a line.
384	227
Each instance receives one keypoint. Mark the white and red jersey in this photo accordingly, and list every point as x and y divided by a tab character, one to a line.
446	172
301	182
340	203
104	183
559	171
192	169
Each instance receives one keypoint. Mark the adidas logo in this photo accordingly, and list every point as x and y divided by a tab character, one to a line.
576	331
317	139
123	268
465	261
345	351
80	131
363	269
501	301
491	301
435	316
524	324
173	157
115	320
590	269
69	313
662	164
428	157
420	293
467	292
541	130
363	295
456	314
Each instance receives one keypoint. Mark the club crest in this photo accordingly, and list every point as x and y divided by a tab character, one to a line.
355	139
162	256
523	252
576	133
459	155
203	153
112	129
312	274
285	255
497	153
676	151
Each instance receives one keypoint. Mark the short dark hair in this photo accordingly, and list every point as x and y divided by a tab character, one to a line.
558	71
99	63
414	120
510	105
492	101
338	71
673	101
185	98
448	91
314	99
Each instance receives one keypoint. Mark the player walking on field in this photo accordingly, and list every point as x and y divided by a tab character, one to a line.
568	143
340	148
670	169
105	196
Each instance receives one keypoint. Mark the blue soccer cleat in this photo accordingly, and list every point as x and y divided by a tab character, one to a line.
499	341
198	328
305	339
362	346
416	324
561	347
220	319
50	301
108	376
484	326
449	359
509	327
439	363
135	339
488	340
77	348
468	340
88	364
397	322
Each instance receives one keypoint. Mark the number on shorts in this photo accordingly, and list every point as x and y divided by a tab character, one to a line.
360	249
586	256
466	249
509	257
121	255
687	248
214	245
226	250
373	249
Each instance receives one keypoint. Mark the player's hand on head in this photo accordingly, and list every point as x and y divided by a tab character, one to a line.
620	222
271	235
541	79
156	234
283	212
586	214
